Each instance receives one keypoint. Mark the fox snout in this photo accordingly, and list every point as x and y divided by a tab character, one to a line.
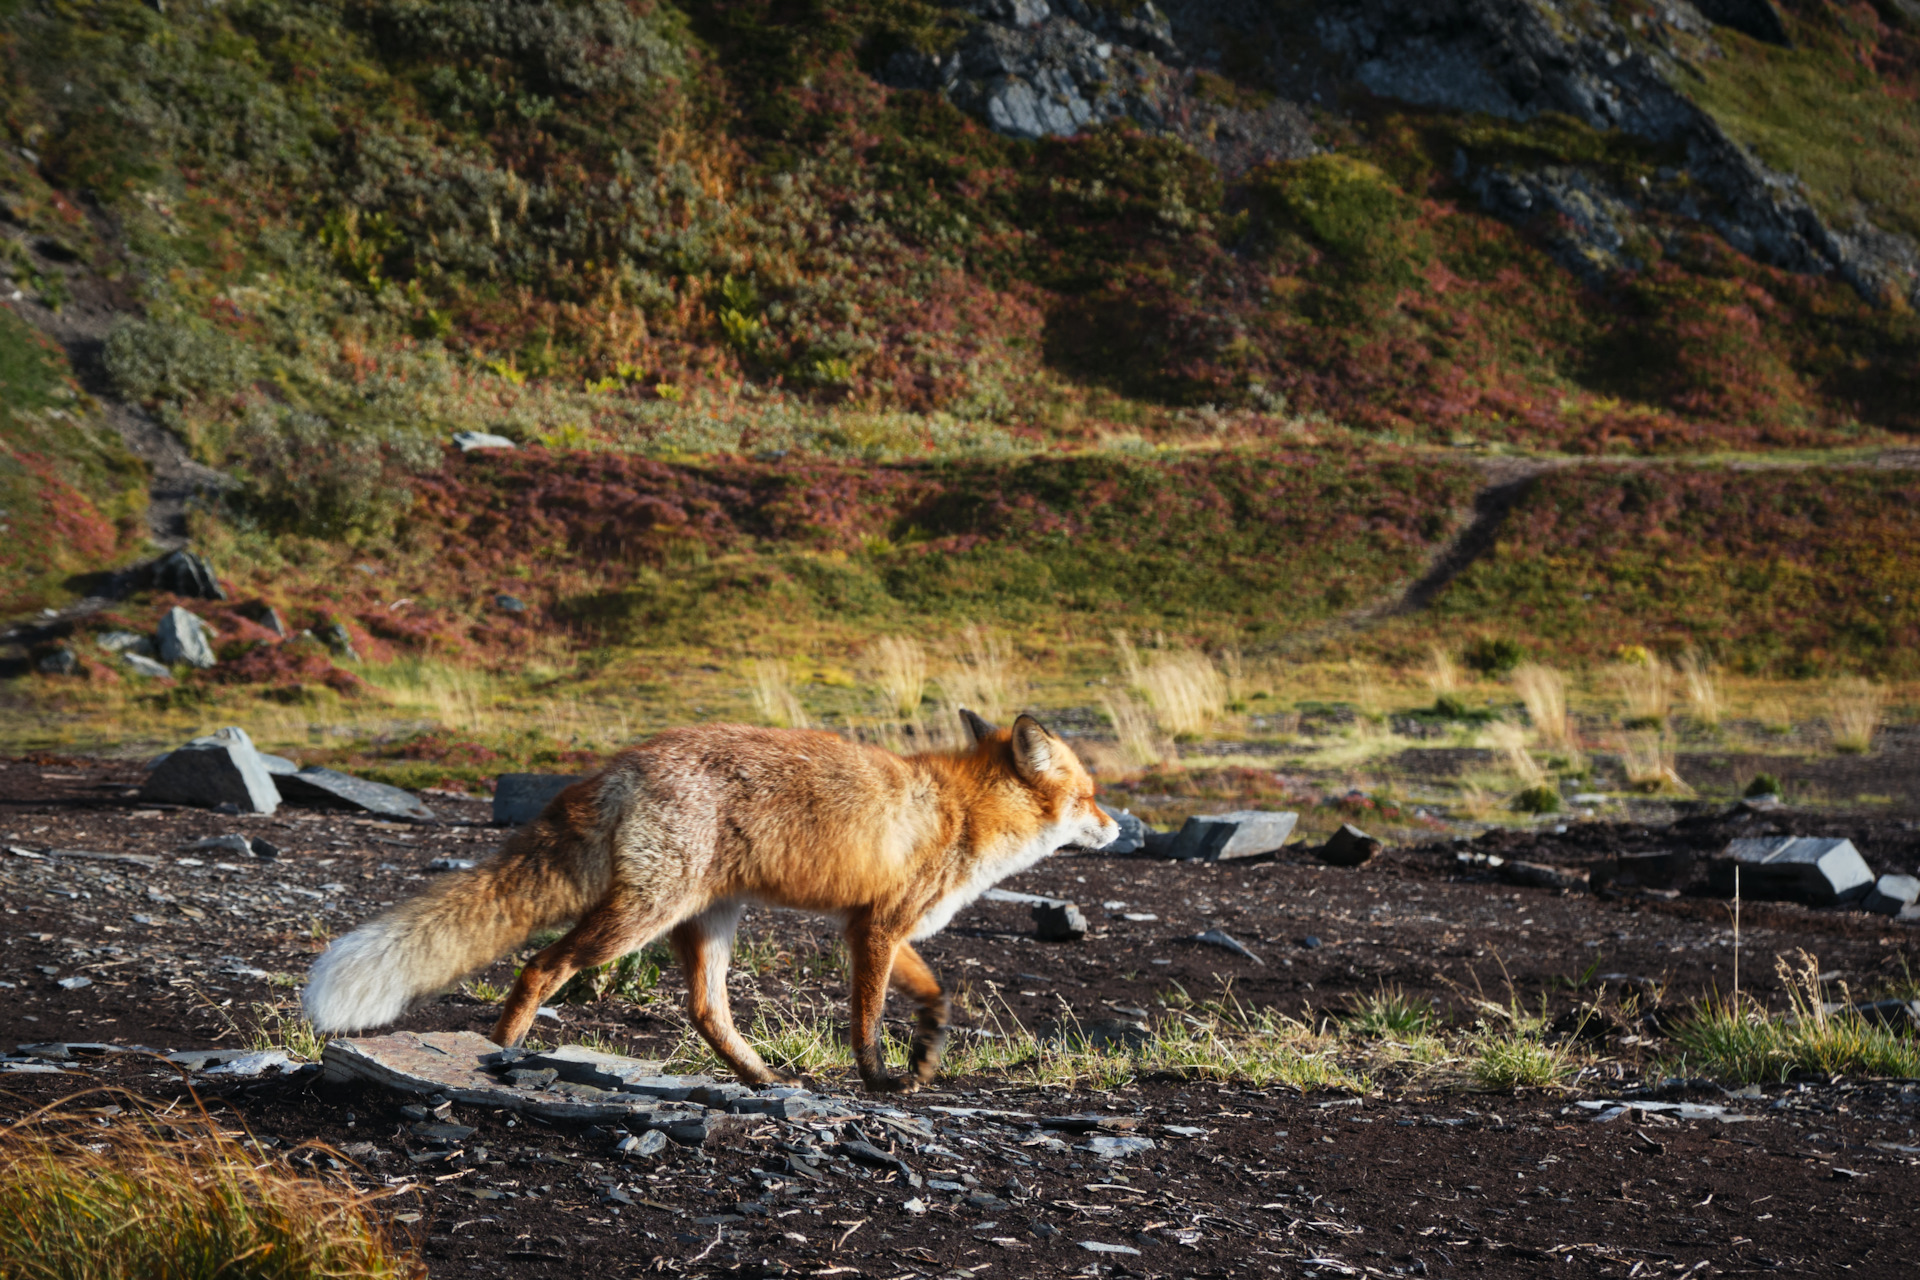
1100	830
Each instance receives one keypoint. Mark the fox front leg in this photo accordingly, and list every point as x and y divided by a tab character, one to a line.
872	954
912	978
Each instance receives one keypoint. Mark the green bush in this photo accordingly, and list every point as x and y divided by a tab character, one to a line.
1763	784
1540	799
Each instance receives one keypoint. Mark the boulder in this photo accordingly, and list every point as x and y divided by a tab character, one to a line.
519	798
182	637
221	768
336	637
1890	894
182	573
1821	871
328	788
1348	847
61	662
1058	922
1133	833
468	441
1221	837
141	665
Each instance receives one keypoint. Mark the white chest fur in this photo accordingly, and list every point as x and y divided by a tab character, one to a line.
989	872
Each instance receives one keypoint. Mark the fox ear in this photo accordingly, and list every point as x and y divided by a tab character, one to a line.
977	726
1034	751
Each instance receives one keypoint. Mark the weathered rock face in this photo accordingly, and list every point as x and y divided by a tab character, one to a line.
182	637
221	768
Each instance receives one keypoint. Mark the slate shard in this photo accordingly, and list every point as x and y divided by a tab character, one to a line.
1821	871
1541	875
1058	922
328	788
519	798
1891	894
221	768
1226	942
1348	847
182	638
1222	837
468	441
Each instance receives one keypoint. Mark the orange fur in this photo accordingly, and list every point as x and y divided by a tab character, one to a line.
678	835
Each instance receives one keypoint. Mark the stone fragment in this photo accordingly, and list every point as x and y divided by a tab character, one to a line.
125	642
696	1130
1821	871
468	441
866	1153
1909	915
1541	875
582	1065
72	1050
1058	922
1132	837
1089	1121
277	765
336	637
269	617
509	604
253	1064
141	665
519	798
75	983
1890	893
794	1107
328	788
200	1059
650	1143
61	662
1902	1015
1221	837
452	864
221	768
233	843
437	1131
182	638
1348	847
1226	942
182	573
1117	1147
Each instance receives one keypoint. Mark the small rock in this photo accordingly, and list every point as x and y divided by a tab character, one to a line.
61	662
332	789
519	798
265	850
1221	837
200	1059
75	983
1226	942
1348	847
581	1065
1818	870
141	665
1098	1246
182	573
1310	942
233	843
221	768
1127	1035
1133	833
509	604
1058	922
1890	893
650	1143
269	617
182	637
336	637
915	1206
252	1064
868	1154
452	864
278	765
125	642
435	1131
1118	1147
532	1078
468	441
1540	875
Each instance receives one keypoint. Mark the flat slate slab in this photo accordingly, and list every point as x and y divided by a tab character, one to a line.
1221	837
1821	871
329	787
519	798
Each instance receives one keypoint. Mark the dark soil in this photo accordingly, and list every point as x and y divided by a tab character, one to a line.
1419	1177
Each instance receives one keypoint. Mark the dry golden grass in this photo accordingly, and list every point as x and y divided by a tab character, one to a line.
1185	690
1511	741
187	1201
900	669
1648	758
1140	742
773	694
1645	688
1442	673
1544	693
984	677
1700	689
1854	707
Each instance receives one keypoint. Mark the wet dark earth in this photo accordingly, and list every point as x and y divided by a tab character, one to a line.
1418	1175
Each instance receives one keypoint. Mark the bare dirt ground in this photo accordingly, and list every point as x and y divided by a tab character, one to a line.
1417	1176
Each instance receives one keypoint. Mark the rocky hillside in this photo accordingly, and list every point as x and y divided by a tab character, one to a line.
310	239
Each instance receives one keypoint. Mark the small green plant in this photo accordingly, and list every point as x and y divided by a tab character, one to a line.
1763	784
1388	1014
1494	656
634	978
1510	1058
485	992
1737	1039
275	1027
1544	798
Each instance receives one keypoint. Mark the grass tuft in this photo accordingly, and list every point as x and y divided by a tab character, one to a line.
900	669
1853	714
1736	1039
773	694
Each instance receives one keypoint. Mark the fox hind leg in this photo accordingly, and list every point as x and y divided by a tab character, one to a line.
912	978
609	931
704	945
872	952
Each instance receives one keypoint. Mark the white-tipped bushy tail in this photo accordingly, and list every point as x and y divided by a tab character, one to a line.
366	979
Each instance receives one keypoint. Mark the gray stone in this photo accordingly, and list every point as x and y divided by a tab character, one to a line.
74	983
72	1050
582	1065
1890	893
182	573
253	1064
1818	870
1133	833
519	798
796	1106
277	765
61	662
336	637
1541	875
221	768
269	617
866	1153
125	642
1059	922
1902	1015
233	843
328	788
509	604
437	1131
1116	1147
650	1143
1244	833
1348	847
200	1059
452	864
1125	1035
468	441
1662	869
182	638
141	665
1226	942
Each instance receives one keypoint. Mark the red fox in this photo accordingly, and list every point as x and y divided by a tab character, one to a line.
680	834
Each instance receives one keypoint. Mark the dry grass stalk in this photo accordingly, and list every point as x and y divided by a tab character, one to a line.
1646	689
1649	760
1441	673
1511	741
1133	724
985	679
773	694
1544	692
1234	671
1853	714
1701	690
1129	659
186	1201
900	669
1185	690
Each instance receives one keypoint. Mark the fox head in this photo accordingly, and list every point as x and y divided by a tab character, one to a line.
1054	777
